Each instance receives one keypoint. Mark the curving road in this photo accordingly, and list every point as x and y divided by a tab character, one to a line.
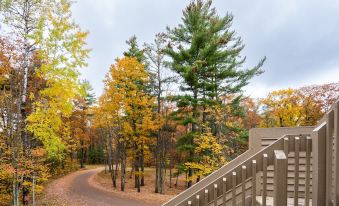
76	189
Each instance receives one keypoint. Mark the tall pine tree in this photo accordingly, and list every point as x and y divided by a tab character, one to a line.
205	52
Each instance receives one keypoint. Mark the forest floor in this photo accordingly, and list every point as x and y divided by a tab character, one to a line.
147	194
93	187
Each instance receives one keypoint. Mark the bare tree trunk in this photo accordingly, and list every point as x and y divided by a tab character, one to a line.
176	181
82	157
113	177
15	189
170	176
132	171
110	154
105	163
142	164
123	169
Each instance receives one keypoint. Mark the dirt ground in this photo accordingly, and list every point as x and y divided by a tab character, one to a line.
147	194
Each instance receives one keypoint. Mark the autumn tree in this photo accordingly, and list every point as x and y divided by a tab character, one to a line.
298	107
325	95
50	50
125	83
161	78
80	121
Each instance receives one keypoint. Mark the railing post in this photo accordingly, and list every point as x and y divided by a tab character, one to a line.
329	155
296	169
224	189
336	156
280	178
215	194
254	182
206	198
319	165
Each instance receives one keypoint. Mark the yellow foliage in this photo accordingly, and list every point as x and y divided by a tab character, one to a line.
288	108
208	153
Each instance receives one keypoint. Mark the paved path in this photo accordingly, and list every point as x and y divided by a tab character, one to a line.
76	189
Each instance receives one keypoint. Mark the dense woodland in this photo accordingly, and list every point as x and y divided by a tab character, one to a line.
176	104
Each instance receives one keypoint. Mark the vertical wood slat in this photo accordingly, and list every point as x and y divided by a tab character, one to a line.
264	179
206	198
336	156
215	194
243	185
307	178
224	189
319	165
286	146
254	182
197	200
280	178
234	185
296	169
329	155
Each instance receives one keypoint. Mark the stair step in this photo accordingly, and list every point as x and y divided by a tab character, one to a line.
290	201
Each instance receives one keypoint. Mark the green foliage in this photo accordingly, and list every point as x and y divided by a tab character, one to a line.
206	54
134	50
95	155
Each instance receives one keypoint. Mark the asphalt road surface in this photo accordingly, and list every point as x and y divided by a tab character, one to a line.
75	189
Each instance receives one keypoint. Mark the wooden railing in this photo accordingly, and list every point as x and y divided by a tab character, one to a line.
293	170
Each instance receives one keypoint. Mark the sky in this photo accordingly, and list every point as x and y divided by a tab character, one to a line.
300	38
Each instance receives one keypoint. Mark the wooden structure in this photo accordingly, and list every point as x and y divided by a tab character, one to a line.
283	166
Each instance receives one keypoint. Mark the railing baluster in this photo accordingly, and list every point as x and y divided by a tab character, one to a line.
206	198
224	189
307	178
264	179
215	194
197	200
243	185
254	182
296	169
234	187
280	178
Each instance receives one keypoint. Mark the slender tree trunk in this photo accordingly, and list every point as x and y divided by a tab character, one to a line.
15	189
142	164
156	186
170	176
123	169
132	171
194	129
110	154
137	172
105	163
176	180
82	154
113	177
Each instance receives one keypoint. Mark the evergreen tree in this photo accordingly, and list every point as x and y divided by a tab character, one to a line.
134	50
205	52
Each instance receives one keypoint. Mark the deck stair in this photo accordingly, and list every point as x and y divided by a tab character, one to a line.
284	166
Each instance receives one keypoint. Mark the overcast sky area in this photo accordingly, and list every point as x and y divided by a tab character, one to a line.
300	38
